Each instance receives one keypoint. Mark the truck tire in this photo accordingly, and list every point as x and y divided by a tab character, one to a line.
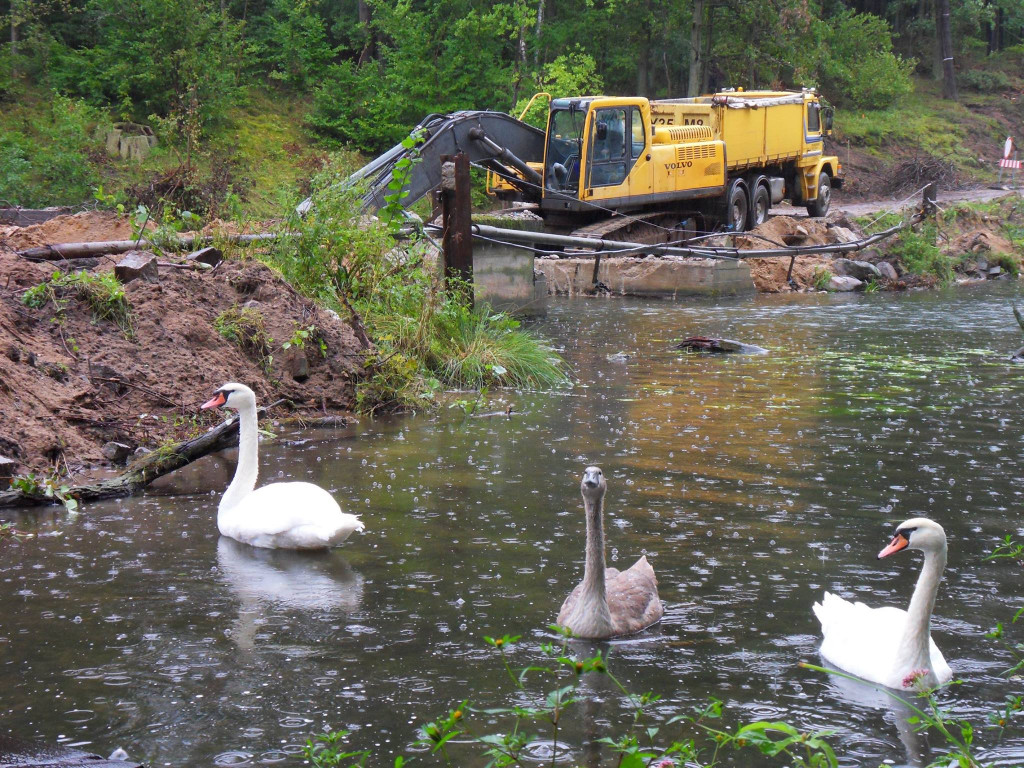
819	207
737	203
760	203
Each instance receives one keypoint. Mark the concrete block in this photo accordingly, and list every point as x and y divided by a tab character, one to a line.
114	141
7	467
656	277
210	256
137	264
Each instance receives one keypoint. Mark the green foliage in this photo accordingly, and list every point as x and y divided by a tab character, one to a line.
500	735
983	81
325	750
290	40
426	334
46	488
47	160
856	65
162	57
822	277
103	293
245	327
570	74
919	254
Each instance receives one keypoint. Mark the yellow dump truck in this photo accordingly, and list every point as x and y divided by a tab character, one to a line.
724	158
675	166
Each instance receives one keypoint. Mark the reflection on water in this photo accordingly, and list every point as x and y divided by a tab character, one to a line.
753	484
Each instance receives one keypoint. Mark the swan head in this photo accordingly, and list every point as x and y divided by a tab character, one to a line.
231	395
593	484
916	533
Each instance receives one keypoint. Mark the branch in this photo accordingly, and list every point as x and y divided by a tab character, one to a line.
141	473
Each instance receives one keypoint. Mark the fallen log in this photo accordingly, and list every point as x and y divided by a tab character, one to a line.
142	472
68	251
722	346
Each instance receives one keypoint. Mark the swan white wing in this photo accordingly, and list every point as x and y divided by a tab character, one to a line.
864	641
859	639
290	516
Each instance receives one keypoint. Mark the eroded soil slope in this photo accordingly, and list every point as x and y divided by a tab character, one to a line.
70	383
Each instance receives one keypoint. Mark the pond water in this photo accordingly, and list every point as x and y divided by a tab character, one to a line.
753	484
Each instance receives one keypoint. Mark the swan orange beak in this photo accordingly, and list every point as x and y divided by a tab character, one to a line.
899	541
214	402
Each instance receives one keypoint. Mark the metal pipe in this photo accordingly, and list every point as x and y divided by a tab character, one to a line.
707	252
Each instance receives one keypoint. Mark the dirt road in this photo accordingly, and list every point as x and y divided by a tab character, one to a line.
877	206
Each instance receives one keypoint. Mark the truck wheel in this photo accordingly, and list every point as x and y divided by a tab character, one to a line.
736	206
820	206
761	202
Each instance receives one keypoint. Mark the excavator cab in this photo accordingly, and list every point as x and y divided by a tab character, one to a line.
564	146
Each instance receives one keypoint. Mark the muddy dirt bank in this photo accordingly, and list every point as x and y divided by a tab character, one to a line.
71	383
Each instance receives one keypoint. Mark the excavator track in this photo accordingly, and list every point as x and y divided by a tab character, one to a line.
654	228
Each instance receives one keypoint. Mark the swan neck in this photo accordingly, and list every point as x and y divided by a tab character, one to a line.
918	628
248	459
593	569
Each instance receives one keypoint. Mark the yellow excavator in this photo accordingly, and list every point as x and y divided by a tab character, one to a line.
629	168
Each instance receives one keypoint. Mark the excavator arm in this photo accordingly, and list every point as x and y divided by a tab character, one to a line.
495	140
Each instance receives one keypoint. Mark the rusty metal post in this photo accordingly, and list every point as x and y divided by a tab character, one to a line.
456	219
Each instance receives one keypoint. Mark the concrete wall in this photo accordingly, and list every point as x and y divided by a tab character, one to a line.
651	276
503	276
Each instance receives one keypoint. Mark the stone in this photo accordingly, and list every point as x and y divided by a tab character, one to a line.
982	264
861	270
116	453
137	264
995	271
140	451
844	235
887	271
843	283
7	467
13	354
297	364
210	256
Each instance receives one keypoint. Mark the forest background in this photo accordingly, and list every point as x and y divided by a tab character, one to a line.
248	96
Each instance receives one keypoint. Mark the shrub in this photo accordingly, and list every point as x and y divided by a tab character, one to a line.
426	333
856	65
984	80
245	327
102	292
917	250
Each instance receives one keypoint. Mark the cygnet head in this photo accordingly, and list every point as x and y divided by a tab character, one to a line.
231	395
593	485
916	533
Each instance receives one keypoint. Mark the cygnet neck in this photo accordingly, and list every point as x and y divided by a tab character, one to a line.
594	567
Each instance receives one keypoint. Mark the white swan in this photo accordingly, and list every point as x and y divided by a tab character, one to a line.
888	645
608	603
280	515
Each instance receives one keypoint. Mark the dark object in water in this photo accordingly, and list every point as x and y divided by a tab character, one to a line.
704	344
24	754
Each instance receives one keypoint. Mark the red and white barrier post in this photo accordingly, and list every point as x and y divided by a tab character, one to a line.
1009	160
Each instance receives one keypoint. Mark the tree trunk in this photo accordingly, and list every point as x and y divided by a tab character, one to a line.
539	29
696	79
945	36
14	45
365	17
705	65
